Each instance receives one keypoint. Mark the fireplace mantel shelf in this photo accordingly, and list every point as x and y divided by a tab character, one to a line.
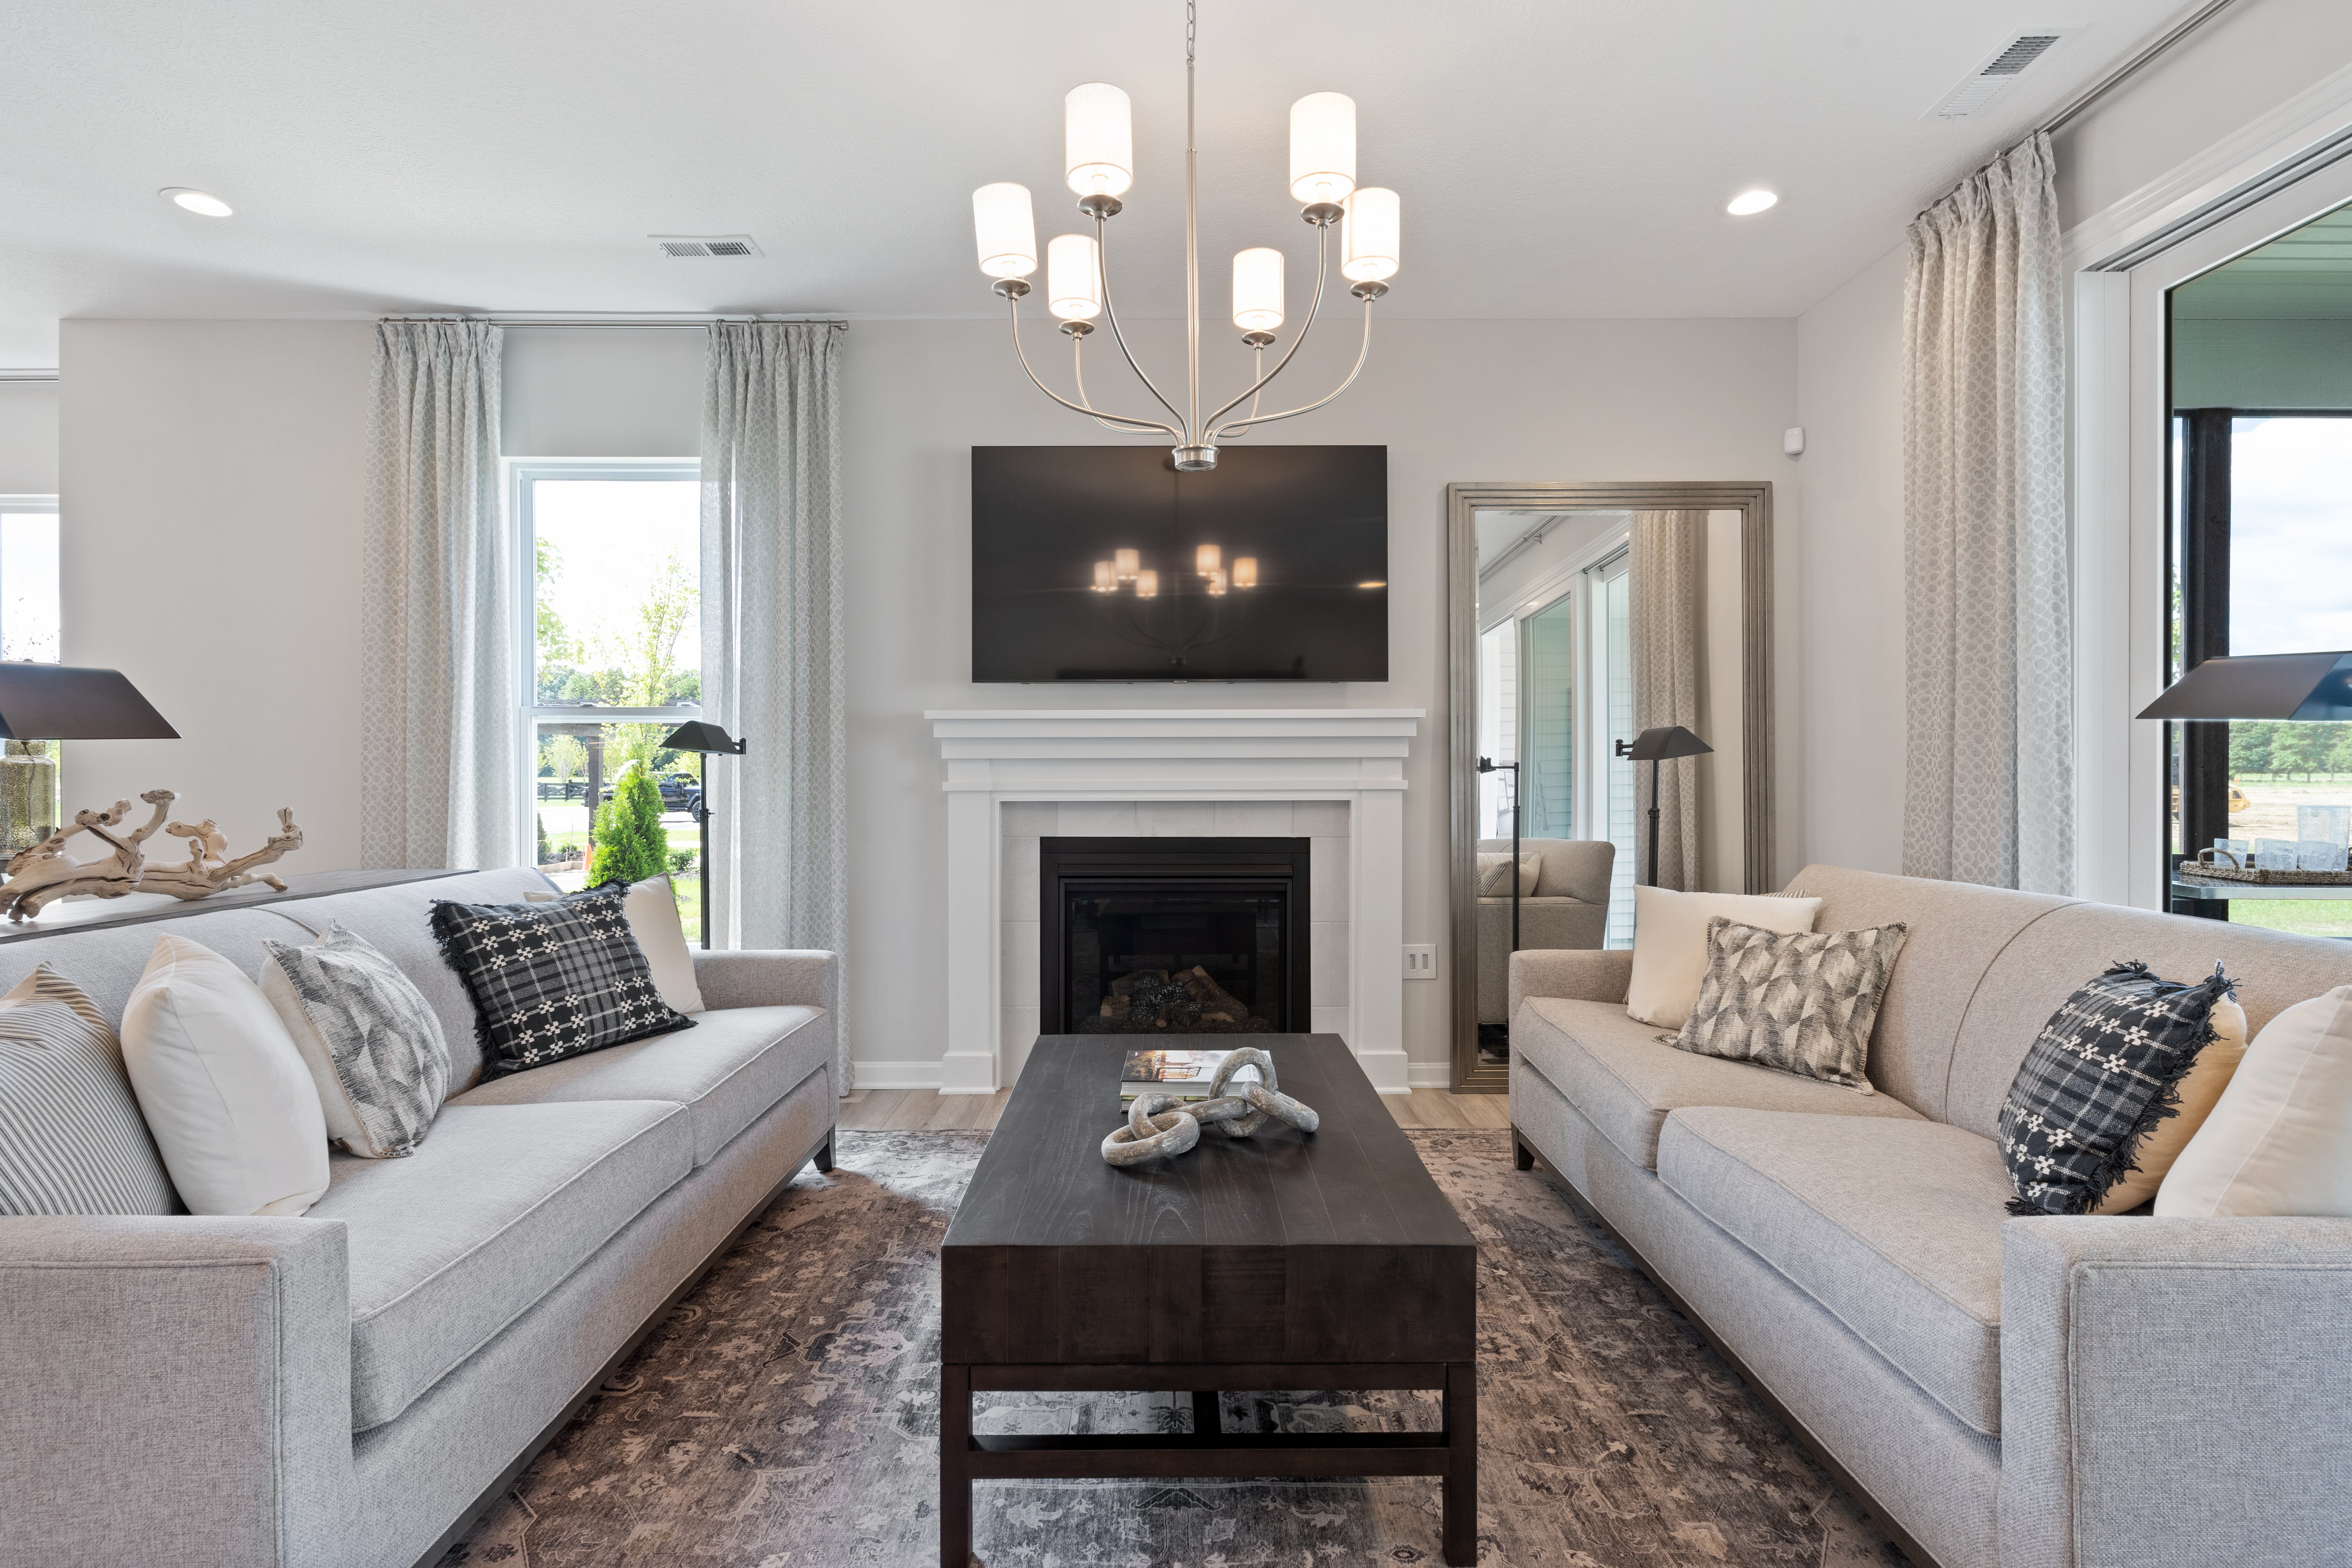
1355	756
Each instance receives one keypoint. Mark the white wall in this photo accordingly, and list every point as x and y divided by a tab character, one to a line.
602	392
1849	796
28	437
1454	401
2244	62
210	476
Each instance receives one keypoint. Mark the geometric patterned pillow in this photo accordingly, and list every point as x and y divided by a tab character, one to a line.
553	980
1800	1002
368	1035
2102	1072
71	1138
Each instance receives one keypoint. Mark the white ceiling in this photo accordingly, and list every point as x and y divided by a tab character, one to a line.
1555	157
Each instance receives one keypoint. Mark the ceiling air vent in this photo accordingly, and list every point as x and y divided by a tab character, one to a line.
705	244
1998	74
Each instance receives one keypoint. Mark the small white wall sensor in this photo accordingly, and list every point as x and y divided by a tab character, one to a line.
1792	441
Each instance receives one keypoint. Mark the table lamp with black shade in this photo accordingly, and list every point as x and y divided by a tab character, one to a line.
1656	746
2301	688
710	740
43	703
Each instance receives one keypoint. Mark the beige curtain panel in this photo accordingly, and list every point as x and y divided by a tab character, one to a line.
438	676
1990	793
1662	569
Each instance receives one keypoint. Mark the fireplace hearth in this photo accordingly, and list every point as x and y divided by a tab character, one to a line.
1169	936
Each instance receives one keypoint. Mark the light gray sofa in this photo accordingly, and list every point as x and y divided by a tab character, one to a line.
347	1389
1570	908
2043	1393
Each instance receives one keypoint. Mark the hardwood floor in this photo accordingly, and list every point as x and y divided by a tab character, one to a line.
911	1110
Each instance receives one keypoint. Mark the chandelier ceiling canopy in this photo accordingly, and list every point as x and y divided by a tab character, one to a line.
1098	142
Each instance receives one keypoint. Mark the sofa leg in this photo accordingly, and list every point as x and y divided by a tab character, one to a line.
1522	1157
825	1156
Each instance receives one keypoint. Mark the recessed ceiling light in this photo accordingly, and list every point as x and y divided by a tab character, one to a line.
1747	204
202	202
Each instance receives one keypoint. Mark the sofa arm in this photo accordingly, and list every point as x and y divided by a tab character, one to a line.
777	977
2174	1392
179	1390
1586	975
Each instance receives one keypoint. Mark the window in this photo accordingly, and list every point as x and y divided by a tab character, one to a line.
28	578
611	655
2260	540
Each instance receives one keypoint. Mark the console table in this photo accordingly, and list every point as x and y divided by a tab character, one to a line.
1288	1260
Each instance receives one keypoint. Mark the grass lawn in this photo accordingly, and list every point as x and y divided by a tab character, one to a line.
2305	917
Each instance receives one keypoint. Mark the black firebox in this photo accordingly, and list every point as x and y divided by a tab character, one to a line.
1232	908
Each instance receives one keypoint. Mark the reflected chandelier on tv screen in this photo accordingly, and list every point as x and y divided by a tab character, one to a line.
1106	563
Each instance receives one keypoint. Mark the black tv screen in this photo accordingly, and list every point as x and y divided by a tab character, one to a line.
1105	564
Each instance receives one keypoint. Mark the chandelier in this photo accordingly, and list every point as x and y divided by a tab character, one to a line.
1099	164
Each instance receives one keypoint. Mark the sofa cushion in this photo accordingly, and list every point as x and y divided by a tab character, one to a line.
490	1213
1892	1226
734	1064
1617	1073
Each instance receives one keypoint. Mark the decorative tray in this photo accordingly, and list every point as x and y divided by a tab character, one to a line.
2205	871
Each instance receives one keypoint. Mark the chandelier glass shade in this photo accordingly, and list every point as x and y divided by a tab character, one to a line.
1099	147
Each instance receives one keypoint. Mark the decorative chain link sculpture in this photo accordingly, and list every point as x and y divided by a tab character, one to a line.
1161	1124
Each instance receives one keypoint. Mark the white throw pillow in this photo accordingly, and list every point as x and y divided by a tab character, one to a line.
222	1086
2279	1141
652	912
1670	944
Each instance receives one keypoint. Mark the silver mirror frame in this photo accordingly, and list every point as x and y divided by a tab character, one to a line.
1463	504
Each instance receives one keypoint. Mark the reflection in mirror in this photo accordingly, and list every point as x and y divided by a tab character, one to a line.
1591	625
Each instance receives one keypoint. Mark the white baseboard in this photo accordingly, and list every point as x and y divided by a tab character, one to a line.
895	1075
1429	1075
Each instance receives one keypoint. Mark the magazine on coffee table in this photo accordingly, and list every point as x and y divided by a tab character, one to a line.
1183	1074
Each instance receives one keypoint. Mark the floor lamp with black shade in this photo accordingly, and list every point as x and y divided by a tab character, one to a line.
1654	746
710	740
1488	765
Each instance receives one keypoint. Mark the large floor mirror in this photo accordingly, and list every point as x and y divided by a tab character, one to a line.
1589	626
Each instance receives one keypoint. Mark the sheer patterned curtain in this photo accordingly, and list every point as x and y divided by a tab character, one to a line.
772	638
1990	792
1663	572
438	695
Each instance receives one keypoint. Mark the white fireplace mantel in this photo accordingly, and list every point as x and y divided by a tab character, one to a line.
1355	756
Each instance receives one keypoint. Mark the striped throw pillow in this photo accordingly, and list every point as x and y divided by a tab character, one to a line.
71	1138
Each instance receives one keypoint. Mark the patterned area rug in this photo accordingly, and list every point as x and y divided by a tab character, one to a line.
785	1415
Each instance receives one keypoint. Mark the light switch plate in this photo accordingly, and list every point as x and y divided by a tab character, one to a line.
1421	961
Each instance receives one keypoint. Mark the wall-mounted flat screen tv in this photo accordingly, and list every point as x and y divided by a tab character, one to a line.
1105	564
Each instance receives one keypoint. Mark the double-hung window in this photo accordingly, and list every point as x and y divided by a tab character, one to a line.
611	655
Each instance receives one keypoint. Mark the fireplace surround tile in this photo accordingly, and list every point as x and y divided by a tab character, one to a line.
1335	776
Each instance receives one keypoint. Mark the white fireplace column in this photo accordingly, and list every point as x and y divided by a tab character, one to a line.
1354	756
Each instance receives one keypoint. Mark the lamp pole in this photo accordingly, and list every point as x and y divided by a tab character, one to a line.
1488	766
708	741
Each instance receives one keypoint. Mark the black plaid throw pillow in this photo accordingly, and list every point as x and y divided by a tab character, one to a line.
2102	1072
554	980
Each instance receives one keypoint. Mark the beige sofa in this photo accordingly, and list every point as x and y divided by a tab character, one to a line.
1570	908
344	1390
2040	1392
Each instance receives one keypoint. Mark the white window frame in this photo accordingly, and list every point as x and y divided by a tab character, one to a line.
521	473
37	505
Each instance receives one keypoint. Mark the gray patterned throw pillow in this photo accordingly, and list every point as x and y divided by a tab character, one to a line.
71	1138
1802	1002
369	1037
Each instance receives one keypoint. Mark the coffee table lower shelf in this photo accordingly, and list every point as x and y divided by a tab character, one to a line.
1450	1454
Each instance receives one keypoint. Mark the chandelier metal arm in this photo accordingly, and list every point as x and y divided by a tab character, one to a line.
1322	266
1012	309
1102	267
1239	426
1079	373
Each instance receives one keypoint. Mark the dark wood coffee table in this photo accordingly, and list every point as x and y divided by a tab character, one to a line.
1283	1261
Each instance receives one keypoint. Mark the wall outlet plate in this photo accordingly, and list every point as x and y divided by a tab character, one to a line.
1421	961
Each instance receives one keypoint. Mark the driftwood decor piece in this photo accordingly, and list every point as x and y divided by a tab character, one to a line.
44	873
1161	1125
